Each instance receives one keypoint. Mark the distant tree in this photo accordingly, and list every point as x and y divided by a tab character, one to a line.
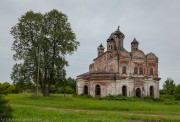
67	90
169	86
3	88
177	92
53	89
11	89
71	82
162	91
41	43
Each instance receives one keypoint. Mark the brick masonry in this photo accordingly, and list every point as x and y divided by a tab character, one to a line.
118	71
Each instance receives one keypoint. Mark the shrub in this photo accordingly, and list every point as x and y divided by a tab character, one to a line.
5	110
132	99
177	92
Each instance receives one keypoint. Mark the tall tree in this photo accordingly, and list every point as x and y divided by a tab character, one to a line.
41	43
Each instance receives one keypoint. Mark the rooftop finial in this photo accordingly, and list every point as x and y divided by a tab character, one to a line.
118	27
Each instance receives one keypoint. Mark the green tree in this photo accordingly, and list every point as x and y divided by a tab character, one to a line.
21	76
53	89
177	92
72	83
11	89
169	86
3	88
41	42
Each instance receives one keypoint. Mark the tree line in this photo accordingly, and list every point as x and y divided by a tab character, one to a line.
67	86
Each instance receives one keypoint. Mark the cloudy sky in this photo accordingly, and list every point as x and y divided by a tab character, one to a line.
154	23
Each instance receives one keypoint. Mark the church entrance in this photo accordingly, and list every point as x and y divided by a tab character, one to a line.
124	91
138	92
151	91
98	90
85	90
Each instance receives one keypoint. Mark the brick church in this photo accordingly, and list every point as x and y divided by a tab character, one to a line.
119	72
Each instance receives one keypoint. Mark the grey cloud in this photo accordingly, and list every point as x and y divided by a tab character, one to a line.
155	24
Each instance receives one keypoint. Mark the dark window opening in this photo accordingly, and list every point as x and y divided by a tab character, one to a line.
138	92
136	70
124	70
151	71
98	90
85	90
124	91
152	91
141	71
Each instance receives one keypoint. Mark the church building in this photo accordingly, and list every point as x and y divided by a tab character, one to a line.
119	72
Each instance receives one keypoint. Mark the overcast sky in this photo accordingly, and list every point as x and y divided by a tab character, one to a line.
154	23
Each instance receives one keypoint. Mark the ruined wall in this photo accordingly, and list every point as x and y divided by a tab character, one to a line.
112	87
137	72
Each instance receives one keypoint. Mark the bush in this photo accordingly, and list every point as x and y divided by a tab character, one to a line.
53	89
133	99
177	92
5	110
3	88
68	90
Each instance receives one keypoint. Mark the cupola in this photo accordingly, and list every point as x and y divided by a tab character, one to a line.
134	45
100	49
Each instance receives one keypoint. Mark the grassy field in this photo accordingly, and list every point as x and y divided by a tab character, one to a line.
83	109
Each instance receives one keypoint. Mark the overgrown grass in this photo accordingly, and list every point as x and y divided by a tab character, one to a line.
84	108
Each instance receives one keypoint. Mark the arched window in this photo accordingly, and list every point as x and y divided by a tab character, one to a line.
85	90
151	71
124	70
135	70
98	90
138	92
151	91
124	91
141	71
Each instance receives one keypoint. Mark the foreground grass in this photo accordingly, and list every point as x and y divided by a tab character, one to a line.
55	109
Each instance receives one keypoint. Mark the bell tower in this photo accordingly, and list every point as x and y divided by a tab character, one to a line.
118	36
134	45
100	50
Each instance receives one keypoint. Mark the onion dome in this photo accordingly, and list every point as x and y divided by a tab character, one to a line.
135	41
118	33
101	46
110	39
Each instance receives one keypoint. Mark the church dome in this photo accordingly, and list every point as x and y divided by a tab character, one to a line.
101	46
110	39
151	56
135	41
118	33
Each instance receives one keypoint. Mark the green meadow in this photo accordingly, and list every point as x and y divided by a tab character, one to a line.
56	108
